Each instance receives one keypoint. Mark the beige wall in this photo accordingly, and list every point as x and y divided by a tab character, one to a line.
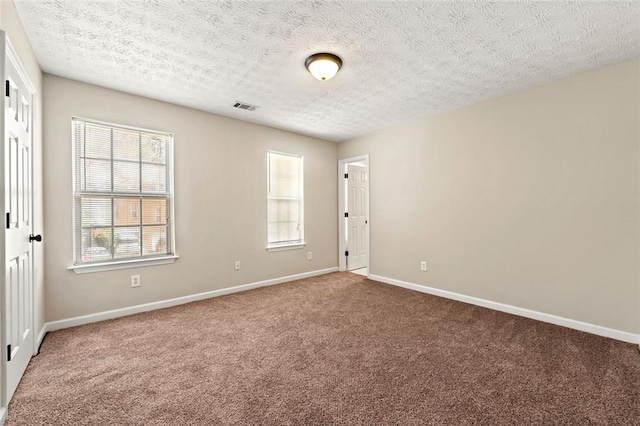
220	202
10	23
530	199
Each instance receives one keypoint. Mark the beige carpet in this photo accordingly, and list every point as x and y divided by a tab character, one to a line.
335	349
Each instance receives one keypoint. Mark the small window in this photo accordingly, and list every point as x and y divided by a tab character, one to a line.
123	193
285	201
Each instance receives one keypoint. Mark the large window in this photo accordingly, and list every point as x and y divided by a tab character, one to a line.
285	209
123	193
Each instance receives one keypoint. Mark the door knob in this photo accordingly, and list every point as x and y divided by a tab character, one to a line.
37	238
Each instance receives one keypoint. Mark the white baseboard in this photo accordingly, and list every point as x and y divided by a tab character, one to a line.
3	415
116	313
540	316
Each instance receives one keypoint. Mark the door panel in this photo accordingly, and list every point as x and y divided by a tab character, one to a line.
357	221
18	297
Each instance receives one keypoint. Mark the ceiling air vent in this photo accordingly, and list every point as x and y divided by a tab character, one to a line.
242	105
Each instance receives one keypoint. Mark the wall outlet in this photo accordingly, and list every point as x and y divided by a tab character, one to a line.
309	256
423	265
135	280
237	265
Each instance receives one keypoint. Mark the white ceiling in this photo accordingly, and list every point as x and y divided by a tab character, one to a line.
402	59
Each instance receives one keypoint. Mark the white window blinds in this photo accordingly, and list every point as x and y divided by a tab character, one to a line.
123	192
285	209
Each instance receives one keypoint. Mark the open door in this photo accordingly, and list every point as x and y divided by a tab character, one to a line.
353	214
356	235
17	160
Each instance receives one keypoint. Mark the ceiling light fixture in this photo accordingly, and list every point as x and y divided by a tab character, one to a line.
323	66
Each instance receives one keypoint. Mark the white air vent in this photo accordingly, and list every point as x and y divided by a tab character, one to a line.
242	105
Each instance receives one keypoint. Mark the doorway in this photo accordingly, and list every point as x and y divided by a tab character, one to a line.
353	214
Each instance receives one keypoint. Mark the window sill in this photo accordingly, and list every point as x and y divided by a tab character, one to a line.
123	264
286	247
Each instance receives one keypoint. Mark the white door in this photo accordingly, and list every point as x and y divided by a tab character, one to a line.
357	220
18	188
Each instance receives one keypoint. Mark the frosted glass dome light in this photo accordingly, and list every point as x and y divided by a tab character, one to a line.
323	66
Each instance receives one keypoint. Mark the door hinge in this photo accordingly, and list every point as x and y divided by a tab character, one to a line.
7	88
8	352
8	219
346	175
346	253
346	214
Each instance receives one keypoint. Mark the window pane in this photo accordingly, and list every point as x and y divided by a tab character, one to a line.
280	232
154	148
289	211
97	141
126	145
96	244
126	176
126	211
154	240
284	176
95	212
273	235
78	134
110	160
284	210
80	179
154	178
154	211
284	205
127	242
284	220
97	175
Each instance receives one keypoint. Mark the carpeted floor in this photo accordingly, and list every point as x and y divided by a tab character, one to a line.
335	349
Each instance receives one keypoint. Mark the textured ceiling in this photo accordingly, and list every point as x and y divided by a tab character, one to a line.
402	59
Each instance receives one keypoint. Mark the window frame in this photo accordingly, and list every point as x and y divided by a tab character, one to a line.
133	262
286	245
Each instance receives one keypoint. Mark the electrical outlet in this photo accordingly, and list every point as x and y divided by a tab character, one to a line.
423	265
309	256
135	280
237	265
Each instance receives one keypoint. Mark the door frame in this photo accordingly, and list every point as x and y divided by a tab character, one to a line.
8	53
342	242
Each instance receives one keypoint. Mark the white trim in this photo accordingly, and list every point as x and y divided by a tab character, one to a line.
169	195
15	60
3	415
121	126
117	313
527	313
125	264
342	243
40	338
286	247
